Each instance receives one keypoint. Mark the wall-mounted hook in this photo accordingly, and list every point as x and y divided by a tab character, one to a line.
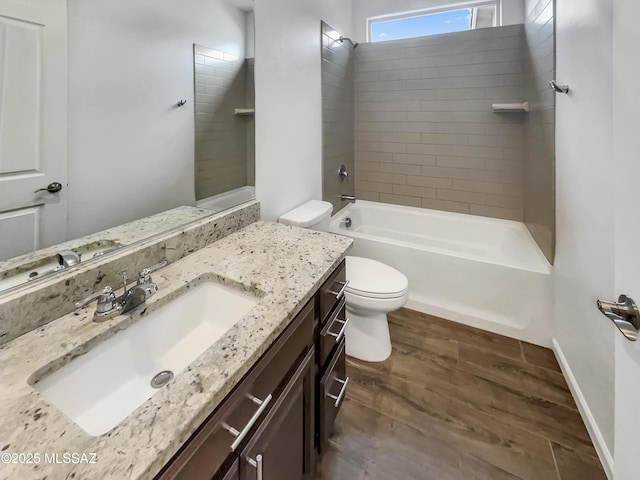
559	88
181	103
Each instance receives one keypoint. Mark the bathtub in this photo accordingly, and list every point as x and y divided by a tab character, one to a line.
479	271
230	199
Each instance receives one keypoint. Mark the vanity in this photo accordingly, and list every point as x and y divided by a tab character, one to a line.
286	405
258	403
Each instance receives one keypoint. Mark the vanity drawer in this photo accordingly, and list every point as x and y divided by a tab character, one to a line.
332	291
332	333
228	428
333	386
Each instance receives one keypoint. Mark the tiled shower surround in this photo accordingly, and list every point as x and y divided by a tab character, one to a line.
539	131
425	132
337	116
225	142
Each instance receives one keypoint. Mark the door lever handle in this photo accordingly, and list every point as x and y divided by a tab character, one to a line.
559	88
54	187
624	314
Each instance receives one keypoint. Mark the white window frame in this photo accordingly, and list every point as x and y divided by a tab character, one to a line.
441	9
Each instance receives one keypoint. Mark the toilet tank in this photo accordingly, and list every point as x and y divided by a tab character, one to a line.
314	214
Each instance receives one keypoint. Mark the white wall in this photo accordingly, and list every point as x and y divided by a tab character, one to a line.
288	99
584	267
131	153
529	5
512	11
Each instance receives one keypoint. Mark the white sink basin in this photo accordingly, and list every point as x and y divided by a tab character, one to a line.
101	388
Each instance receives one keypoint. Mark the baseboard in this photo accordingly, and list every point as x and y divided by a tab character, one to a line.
592	427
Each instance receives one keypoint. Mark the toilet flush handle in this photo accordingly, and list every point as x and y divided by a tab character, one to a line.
339	294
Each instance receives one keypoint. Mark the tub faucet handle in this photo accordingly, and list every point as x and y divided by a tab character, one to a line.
343	173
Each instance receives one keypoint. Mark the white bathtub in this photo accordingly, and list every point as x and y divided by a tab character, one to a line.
483	272
226	200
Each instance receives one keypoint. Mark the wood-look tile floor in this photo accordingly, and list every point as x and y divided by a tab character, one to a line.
458	403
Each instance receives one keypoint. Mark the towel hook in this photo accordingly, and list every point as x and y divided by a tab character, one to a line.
559	88
181	103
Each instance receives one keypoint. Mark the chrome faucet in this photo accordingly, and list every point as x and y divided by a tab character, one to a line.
68	258
348	198
109	305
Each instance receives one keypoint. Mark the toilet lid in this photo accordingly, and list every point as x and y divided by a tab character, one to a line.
370	278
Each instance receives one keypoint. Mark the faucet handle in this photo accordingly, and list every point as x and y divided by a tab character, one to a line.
106	301
145	275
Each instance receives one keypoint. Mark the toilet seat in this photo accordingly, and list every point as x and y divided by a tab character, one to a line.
372	279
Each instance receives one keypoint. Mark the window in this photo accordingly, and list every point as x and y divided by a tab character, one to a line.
455	18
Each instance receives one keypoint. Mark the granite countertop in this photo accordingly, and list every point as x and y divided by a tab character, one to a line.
114	237
282	265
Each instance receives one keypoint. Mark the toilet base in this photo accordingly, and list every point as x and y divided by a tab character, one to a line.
367	336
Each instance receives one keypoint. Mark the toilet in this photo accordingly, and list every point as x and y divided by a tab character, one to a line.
374	289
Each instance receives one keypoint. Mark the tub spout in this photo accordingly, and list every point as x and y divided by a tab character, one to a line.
348	198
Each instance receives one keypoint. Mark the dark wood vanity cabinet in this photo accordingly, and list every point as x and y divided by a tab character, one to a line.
331	379
273	424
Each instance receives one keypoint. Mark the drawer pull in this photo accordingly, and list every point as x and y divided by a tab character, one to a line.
257	464
343	390
340	334
340	293
241	434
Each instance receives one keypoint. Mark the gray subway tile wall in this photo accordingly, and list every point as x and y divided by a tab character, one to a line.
539	131
425	134
223	145
337	117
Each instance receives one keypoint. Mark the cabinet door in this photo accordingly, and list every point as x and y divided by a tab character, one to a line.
281	448
233	473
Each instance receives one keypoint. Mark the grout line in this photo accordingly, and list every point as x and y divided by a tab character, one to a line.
524	357
555	462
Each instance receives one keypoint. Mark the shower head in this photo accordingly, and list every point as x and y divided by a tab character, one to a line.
347	39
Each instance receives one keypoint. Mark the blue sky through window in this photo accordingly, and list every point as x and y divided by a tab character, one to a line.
419	26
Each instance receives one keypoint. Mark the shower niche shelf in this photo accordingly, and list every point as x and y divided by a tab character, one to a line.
511	107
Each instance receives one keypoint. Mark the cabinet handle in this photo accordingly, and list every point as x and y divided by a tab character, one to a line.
243	433
340	293
343	390
340	334
257	464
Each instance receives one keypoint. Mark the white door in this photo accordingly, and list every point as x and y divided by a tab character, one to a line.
626	128
33	124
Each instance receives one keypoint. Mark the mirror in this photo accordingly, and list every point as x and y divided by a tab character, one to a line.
120	120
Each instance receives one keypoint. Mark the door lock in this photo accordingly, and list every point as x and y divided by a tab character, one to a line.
624	314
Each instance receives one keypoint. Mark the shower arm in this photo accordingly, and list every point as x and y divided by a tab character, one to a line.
347	39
